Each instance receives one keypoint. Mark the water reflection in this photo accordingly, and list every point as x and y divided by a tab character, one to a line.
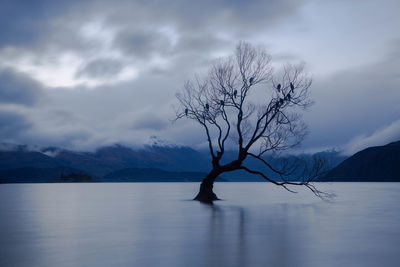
148	225
237	236
221	239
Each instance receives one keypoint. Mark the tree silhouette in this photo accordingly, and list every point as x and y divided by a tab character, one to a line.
224	104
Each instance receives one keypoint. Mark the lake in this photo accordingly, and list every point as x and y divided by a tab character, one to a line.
156	224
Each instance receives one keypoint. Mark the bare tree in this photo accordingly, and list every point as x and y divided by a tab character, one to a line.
223	103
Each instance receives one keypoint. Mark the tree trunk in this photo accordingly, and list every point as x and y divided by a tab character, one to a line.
206	194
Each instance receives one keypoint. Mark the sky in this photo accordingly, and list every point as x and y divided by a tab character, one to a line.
85	74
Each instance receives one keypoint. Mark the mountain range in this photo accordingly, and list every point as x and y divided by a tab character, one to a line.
154	163
19	163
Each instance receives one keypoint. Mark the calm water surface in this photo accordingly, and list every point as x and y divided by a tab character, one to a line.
155	224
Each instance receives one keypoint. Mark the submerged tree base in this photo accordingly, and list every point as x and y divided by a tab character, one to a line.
206	194
206	197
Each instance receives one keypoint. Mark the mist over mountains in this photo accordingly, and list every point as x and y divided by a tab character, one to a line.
21	163
48	161
168	163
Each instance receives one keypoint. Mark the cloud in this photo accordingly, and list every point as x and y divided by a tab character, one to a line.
12	125
203	15
46	23
89	73
150	122
52	126
18	88
380	137
355	102
142	44
70	43
20	22
102	68
28	23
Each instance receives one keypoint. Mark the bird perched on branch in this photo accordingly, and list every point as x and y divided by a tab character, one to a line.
291	87
221	102
251	80
235	93
207	106
186	111
279	87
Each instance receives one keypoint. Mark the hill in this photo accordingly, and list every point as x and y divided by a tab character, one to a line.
373	164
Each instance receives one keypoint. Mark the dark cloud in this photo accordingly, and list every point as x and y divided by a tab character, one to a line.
165	43
25	23
195	42
150	122
179	27
103	68
56	25
142	44
356	102
206	15
18	88
12	124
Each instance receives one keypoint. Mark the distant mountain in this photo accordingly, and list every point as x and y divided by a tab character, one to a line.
25	158
152	175
332	158
112	158
19	163
107	159
373	164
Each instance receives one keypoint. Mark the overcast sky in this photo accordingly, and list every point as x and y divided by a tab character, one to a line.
84	74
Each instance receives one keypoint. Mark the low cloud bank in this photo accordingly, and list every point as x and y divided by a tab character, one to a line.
383	136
